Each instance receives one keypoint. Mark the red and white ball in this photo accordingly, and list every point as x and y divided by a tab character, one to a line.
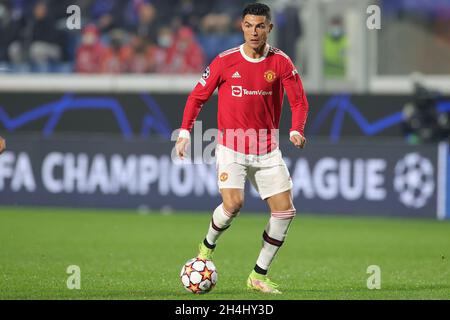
198	276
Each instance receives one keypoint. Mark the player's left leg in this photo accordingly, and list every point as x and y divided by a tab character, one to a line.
271	179
282	214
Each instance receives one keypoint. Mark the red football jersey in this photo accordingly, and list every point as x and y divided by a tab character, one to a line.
250	98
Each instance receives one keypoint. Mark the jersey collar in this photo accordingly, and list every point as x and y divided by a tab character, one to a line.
266	51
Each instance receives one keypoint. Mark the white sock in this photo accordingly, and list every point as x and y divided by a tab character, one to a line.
220	221
274	236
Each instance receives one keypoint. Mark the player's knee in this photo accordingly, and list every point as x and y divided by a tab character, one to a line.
233	204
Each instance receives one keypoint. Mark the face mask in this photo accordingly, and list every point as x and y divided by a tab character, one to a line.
165	41
183	45
336	32
88	39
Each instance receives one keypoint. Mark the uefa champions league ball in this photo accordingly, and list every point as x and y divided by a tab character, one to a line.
198	275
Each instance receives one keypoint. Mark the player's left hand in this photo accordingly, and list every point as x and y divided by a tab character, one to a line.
180	147
298	141
2	145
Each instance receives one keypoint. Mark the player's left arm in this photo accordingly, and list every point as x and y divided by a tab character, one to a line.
2	145
299	105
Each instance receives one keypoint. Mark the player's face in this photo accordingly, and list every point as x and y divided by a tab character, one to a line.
256	30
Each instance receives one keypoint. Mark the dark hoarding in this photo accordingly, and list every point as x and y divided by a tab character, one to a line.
336	117
377	179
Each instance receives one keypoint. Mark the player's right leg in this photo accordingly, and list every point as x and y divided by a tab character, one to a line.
224	214
231	175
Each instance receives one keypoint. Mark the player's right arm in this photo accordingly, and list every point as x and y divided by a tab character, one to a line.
2	145
210	80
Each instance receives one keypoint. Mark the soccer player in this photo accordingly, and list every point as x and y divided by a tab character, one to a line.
2	145
251	79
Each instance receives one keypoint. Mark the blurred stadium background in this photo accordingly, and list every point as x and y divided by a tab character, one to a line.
88	117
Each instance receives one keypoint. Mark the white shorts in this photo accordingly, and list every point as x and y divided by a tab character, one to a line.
267	173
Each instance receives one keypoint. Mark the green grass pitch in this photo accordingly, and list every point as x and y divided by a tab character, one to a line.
125	255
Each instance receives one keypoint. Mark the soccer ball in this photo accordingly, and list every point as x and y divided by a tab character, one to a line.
198	276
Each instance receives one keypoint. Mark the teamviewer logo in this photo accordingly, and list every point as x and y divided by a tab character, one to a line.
236	91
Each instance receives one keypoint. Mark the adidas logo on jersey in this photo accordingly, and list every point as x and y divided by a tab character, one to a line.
236	75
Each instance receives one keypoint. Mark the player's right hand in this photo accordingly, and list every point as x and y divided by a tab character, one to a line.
181	146
2	145
298	141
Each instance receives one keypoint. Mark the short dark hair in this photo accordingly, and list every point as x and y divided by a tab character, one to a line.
257	9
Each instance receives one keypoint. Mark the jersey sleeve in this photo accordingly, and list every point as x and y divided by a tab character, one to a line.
205	87
297	98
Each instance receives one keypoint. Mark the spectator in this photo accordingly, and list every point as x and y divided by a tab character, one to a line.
131	13
185	55
146	24
216	36
143	58
165	39
39	41
116	57
108	14
90	52
6	34
191	12
220	27
289	28
335	47
33	35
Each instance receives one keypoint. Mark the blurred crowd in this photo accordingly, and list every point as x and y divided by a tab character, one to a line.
117	36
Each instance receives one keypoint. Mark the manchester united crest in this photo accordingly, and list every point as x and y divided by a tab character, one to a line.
223	176
270	76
